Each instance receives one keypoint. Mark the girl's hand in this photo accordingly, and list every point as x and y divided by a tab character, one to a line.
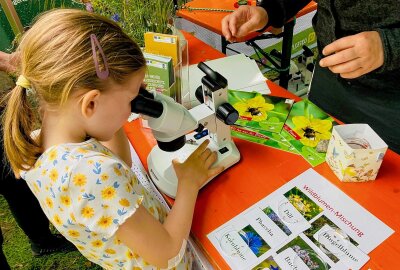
196	170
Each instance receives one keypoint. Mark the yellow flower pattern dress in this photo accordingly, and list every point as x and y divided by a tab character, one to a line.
87	193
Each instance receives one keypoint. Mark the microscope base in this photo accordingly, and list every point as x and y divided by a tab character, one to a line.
163	174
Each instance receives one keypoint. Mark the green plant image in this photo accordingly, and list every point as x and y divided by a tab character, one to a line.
268	263
255	242
316	226
306	254
137	17
307	207
259	111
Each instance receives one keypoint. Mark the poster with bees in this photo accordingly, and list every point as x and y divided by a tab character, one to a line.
259	111
307	128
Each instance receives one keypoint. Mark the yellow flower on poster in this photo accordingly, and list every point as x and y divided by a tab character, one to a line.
312	130
255	108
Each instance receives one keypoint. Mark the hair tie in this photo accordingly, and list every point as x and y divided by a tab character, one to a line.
23	82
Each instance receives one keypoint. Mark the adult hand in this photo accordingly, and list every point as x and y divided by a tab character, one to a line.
354	56
196	170
244	20
8	62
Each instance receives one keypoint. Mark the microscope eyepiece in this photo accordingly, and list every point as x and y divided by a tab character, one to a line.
145	104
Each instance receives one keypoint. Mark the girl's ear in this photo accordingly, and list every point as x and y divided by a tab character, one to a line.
90	103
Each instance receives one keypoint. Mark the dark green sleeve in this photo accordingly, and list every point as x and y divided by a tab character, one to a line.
280	11
391	49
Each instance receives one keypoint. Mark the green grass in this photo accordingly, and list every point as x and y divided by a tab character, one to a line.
18	252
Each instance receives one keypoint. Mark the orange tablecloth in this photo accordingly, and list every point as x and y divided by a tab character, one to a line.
263	169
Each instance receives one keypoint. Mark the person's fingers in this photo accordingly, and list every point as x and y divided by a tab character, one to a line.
340	57
211	159
201	148
233	25
354	74
338	45
226	32
206	153
346	67
215	171
247	27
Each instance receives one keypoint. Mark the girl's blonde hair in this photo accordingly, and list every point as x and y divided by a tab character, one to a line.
56	58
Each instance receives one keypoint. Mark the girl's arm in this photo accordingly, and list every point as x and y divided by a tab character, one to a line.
119	145
157	243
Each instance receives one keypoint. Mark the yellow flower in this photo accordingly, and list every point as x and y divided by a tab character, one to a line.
108	193
66	200
57	220
128	187
53	155
73	233
129	255
105	152
49	202
87	212
255	108
117	241
80	247
104	177
90	162
38	164
72	217
97	243
312	130
44	172
104	222
110	251
124	202
94	234
117	171
79	179
82	150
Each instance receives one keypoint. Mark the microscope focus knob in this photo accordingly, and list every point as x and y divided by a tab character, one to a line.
227	114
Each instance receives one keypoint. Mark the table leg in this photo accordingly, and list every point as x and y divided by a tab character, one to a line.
224	44
286	53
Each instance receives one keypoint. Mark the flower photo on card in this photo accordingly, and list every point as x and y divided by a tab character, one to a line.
255	242
307	207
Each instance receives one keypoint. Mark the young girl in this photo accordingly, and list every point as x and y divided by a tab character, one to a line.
84	72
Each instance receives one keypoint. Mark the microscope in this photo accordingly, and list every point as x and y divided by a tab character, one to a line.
180	131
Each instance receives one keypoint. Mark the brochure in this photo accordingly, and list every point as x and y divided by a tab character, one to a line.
260	111
308	223
306	126
160	73
266	138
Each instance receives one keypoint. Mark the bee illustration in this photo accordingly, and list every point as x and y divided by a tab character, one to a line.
309	133
369	174
254	111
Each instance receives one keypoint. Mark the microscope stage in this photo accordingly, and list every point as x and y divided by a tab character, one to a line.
160	162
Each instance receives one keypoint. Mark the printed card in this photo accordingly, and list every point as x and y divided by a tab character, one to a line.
335	242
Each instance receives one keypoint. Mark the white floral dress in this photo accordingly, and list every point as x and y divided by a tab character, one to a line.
87	193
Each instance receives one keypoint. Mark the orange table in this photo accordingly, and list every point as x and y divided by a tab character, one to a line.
211	20
262	170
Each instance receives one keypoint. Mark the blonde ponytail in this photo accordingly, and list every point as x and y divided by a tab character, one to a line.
19	120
